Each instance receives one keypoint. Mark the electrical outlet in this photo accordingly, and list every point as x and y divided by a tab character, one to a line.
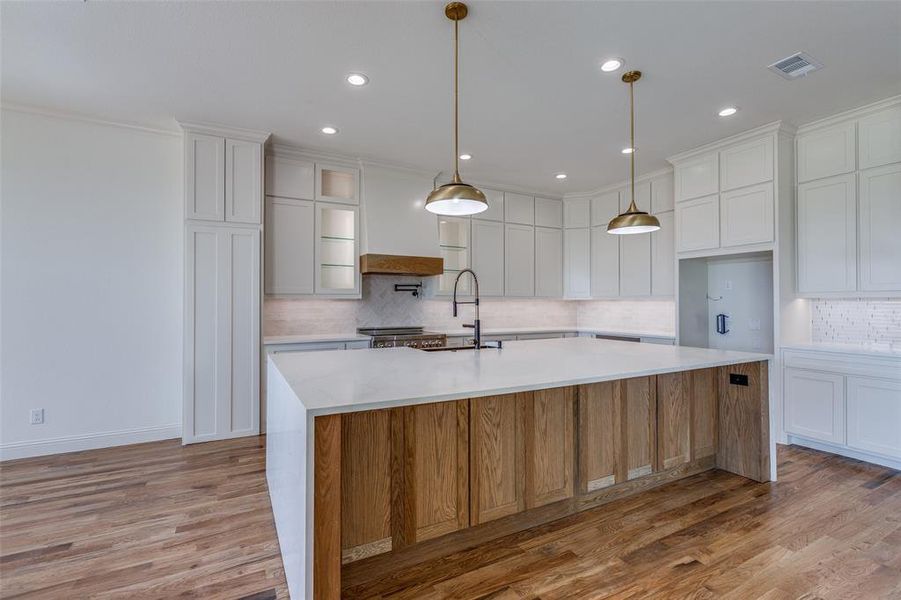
36	416
754	324
728	285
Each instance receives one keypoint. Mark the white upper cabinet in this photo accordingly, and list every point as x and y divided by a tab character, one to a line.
634	265
642	197
204	177
815	405
337	184
697	177
747	216
880	222
337	249
576	273
548	213
488	256
826	152
519	260
290	178
603	208
290	227
453	239
243	178
746	164
827	235
698	224
575	212
495	210
548	262
519	209
880	138
662	197
604	263
874	416
663	247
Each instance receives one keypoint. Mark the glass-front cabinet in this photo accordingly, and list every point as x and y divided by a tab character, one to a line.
453	237
337	249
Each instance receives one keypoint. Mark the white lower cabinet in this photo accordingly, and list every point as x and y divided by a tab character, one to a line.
519	260
576	265
548	262
488	256
747	216
222	332
874	416
815	405
698	224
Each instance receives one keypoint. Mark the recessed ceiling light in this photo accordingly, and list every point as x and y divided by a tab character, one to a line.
728	111
329	130
611	64
465	156
357	79
560	175
627	150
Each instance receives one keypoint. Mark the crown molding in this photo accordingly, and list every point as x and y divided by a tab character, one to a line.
249	135
853	113
83	118
620	185
776	127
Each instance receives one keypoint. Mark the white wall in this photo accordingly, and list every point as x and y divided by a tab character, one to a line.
746	287
91	284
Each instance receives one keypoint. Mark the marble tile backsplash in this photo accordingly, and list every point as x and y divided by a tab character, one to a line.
856	321
381	306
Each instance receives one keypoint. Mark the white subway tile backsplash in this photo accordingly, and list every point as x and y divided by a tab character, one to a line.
856	321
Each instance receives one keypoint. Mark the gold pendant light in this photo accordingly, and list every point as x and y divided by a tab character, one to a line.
456	198
633	220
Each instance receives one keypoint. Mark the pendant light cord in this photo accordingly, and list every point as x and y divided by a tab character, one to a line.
632	207
456	101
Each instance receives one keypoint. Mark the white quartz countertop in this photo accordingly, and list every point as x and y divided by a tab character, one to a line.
338	381
314	338
863	349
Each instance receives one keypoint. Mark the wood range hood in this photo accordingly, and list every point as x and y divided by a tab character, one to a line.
394	264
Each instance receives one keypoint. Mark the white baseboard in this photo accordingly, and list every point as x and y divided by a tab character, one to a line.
88	441
842	451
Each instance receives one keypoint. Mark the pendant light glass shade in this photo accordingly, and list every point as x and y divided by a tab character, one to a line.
633	220
456	198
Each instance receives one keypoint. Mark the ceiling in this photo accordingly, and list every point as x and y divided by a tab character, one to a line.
533	101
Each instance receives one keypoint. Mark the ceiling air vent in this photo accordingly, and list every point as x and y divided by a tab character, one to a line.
795	66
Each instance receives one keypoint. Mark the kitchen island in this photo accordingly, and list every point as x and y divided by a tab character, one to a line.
379	459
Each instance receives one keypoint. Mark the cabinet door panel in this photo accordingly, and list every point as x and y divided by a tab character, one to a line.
337	184
604	263
337	249
548	213
365	484
702	389
635	265
880	220
880	138
874	416
290	178
548	262
576	257
604	208
747	216
826	152
662	194
495	210
639	423
488	256
697	177
575	212
673	420
600	434
290	226
827	235
698	224
746	164
663	249
243	181
243	401
549	446
815	405
519	260
496	460
519	209
436	469
205	175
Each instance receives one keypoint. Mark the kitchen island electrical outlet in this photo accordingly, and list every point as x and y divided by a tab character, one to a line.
36	416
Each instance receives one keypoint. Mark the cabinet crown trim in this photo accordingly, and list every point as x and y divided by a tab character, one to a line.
851	114
249	135
776	127
618	186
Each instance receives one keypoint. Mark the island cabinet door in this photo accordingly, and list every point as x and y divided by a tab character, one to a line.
743	426
639	427
600	435
702	390
673	420
496	456
549	446
432	491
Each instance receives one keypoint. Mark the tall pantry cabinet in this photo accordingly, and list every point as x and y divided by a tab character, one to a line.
223	222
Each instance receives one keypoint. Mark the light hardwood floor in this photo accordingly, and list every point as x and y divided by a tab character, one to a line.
161	521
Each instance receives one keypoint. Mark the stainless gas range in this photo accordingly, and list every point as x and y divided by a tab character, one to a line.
410	337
